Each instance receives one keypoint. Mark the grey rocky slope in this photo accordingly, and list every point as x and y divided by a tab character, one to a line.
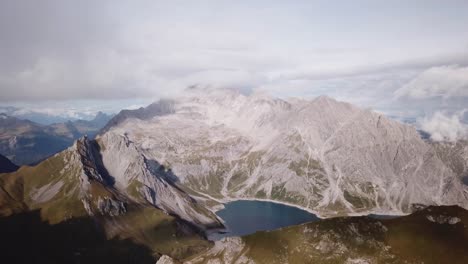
148	181
327	156
455	156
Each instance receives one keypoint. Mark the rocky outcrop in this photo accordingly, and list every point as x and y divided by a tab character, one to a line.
146	179
166	260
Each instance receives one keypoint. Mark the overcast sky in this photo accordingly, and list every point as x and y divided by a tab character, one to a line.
404	58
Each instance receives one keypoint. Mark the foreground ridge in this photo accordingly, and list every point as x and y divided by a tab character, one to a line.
433	235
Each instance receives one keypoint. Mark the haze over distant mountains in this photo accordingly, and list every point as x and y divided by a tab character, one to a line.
27	142
42	116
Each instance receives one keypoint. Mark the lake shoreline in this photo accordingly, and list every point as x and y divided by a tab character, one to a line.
316	213
218	233
246	216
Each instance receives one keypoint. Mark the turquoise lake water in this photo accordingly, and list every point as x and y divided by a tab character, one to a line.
247	217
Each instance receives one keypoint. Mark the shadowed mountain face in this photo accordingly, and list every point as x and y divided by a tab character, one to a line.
6	165
28	239
25	142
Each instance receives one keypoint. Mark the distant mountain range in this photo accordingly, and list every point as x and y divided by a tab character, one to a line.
27	142
42	117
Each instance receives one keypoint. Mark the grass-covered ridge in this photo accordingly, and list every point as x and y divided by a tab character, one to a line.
433	235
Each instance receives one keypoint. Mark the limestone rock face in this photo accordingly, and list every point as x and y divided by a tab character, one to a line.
328	156
143	178
455	156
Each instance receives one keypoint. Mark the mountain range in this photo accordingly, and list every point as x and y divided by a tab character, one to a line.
156	175
47	117
27	142
327	156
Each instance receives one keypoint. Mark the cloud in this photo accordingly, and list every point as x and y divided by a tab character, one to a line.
443	81
67	50
70	109
444	127
85	53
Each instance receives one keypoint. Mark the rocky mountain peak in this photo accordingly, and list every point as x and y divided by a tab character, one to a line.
159	108
325	99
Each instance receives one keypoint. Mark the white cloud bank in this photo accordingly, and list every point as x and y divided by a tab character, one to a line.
64	51
443	81
68	50
444	127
